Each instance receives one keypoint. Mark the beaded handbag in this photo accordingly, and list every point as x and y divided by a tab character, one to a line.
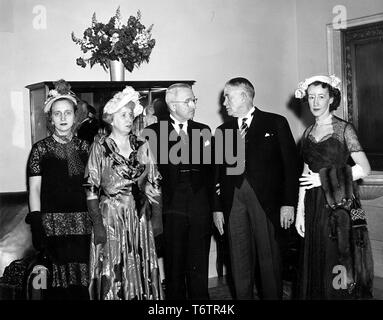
357	214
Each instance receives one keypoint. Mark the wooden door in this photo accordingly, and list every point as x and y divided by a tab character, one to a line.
363	71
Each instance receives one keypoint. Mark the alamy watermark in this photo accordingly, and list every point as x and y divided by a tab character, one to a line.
226	146
40	277
39	21
340	19
340	280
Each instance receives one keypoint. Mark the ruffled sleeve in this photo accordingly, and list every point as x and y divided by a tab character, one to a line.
351	139
145	156
93	168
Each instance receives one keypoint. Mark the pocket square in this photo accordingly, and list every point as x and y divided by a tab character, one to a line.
268	134
207	143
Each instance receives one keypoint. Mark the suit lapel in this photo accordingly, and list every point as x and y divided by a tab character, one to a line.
171	169
170	132
256	127
190	127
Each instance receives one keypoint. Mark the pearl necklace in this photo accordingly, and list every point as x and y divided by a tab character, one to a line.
324	122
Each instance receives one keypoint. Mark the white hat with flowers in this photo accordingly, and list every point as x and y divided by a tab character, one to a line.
61	91
121	99
332	80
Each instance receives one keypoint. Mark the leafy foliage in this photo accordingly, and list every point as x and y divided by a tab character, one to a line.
132	43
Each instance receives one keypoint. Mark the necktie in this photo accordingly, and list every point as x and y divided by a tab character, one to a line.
244	128
182	133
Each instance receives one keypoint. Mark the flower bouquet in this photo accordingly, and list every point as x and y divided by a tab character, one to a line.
130	43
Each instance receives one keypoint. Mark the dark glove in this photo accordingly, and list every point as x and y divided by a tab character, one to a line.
156	216
140	199
98	225
38	233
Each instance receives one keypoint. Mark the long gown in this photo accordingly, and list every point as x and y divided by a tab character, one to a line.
64	213
320	251
155	209
126	267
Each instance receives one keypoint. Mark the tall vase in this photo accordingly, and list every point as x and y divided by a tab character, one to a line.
117	70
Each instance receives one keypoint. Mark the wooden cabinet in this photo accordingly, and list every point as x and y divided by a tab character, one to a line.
96	93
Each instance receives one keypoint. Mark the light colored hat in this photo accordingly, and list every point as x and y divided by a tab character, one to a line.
61	91
121	99
332	80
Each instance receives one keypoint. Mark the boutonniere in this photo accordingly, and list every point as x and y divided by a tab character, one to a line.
207	143
218	189
268	134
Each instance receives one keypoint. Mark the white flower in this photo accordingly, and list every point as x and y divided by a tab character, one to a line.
114	39
335	82
142	39
301	90
117	24
100	33
88	45
299	94
88	55
53	93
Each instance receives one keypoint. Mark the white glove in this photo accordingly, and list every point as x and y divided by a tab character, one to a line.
357	172
300	220
310	180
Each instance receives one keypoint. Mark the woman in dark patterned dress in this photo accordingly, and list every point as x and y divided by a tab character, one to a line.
60	224
328	143
123	259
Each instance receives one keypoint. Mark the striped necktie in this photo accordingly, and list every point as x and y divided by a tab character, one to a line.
244	128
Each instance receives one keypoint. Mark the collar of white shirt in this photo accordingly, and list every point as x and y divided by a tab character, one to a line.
176	124
249	117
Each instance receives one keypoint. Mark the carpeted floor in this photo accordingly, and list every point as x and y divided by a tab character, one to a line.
219	289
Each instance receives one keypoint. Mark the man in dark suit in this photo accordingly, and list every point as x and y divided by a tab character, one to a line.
179	144
89	126
253	206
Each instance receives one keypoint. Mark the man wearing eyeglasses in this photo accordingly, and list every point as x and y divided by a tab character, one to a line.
187	189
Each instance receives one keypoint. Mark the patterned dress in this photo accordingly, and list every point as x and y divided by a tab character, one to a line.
126	266
139	124
63	207
320	251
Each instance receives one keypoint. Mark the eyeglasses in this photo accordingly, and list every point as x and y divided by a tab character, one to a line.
190	102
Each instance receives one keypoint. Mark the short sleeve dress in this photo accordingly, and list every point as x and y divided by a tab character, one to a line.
126	267
320	251
63	207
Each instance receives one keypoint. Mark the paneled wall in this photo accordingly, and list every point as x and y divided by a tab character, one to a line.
374	209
